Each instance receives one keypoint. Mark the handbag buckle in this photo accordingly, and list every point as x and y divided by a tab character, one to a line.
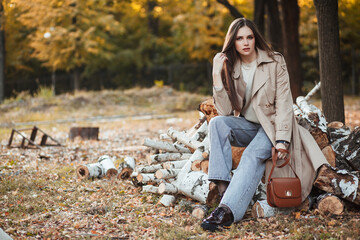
288	193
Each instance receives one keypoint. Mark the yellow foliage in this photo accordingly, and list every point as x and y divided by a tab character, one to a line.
159	83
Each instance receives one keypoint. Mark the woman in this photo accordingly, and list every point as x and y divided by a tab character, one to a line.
252	95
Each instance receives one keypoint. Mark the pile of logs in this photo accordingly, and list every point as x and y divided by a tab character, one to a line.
105	167
179	165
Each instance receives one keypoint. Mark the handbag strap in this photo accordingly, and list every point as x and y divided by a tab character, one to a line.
274	159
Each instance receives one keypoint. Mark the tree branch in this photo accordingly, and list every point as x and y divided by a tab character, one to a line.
233	11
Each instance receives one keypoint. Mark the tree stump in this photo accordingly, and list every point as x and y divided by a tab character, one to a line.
84	133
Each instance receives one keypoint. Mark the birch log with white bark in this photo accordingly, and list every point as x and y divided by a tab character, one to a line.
167	188
149	168
166	173
312	114
165	137
165	146
108	166
167	200
182	138
164	157
146	177
192	142
314	121
174	164
194	184
261	209
342	183
150	189
348	151
126	168
91	170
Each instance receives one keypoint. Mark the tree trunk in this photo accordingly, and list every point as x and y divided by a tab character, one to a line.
354	77
76	79
329	55
2	52
273	25
53	82
233	11
291	15
259	13
153	22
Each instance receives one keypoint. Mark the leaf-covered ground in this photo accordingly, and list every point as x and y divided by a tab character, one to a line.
41	198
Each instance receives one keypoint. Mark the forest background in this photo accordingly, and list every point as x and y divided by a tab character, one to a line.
108	44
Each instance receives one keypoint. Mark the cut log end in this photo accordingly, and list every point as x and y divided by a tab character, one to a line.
329	155
205	155
330	205
195	166
257	211
111	173
204	165
82	172
335	125
199	211
236	156
213	197
125	173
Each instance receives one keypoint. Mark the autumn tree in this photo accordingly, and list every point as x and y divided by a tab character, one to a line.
70	35
330	60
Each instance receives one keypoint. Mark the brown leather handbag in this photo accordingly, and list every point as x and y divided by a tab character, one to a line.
283	192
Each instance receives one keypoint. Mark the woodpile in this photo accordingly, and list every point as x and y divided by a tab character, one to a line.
180	160
105	168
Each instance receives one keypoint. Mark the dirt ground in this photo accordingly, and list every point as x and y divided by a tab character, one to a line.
41	197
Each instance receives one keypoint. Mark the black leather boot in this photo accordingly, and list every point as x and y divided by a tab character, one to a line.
220	217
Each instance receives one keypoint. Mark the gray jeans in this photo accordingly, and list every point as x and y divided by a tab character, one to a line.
227	131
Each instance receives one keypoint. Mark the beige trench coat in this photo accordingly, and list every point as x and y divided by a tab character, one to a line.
272	102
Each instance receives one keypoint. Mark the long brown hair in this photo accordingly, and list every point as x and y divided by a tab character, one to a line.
232	55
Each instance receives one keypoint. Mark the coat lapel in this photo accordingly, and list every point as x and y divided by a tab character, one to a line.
260	79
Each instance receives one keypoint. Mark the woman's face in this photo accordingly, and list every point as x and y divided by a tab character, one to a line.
245	42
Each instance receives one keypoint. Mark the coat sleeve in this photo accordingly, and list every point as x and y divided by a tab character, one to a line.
283	103
222	102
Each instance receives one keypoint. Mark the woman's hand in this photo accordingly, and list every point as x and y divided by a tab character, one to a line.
218	63
281	155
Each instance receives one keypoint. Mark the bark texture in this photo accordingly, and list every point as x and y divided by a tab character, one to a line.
329	56
291	15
